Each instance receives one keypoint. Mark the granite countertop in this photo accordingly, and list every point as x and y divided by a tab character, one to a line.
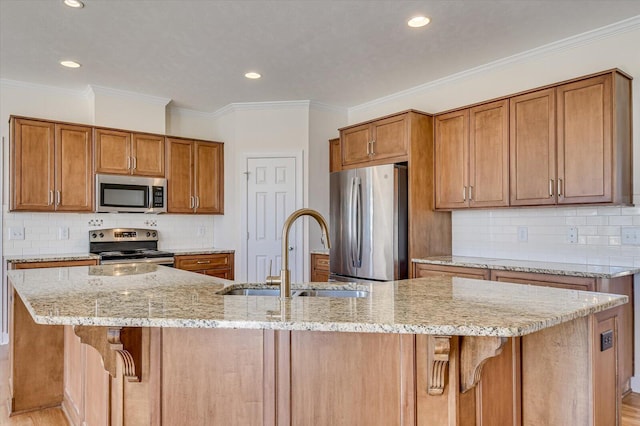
187	252
569	269
319	251
146	295
50	257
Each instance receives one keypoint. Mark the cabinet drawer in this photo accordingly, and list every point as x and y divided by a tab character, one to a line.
203	262
421	270
547	280
321	262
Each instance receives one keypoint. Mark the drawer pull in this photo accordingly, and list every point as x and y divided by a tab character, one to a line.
203	262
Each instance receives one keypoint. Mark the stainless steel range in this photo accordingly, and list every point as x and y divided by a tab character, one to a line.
128	245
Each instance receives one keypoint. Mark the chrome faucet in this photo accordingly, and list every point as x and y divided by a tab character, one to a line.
284	279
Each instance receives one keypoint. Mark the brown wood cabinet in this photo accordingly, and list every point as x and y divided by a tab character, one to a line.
216	265
51	166
571	144
319	267
195	176
335	155
125	153
472	157
624	322
52	264
421	270
382	141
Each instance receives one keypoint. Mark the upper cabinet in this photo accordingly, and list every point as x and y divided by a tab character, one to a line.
51	166
564	144
124	153
195	176
383	141
335	155
472	157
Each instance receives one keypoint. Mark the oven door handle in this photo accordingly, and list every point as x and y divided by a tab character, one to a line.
156	260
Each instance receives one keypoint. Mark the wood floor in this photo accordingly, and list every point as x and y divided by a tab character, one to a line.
55	416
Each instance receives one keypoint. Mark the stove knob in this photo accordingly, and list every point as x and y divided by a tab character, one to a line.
94	235
148	234
101	235
153	234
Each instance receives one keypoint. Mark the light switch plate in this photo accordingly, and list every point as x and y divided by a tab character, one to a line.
523	234
63	233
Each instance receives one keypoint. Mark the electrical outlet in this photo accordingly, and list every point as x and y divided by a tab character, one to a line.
202	230
16	233
523	234
606	340
63	233
630	235
572	235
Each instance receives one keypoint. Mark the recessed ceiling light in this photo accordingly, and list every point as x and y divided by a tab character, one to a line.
74	3
70	64
418	21
252	75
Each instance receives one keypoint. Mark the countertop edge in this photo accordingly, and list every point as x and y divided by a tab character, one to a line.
630	270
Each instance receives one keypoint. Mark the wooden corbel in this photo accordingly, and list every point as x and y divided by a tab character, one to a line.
474	352
106	340
439	348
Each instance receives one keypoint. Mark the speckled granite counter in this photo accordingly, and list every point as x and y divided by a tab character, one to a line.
156	296
50	257
569	269
319	251
188	252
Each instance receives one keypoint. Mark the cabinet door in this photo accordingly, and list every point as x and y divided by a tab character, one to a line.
335	156
32	165
113	152
148	155
355	144
452	159
584	141
180	176
390	139
74	168
209	177
533	148
489	155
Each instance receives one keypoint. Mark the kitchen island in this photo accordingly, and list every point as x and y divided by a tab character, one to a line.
164	346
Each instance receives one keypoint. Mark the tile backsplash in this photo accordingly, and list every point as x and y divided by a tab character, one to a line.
42	230
494	233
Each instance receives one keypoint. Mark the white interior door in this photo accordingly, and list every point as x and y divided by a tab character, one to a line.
271	197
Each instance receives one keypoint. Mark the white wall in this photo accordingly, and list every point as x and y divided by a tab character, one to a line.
323	125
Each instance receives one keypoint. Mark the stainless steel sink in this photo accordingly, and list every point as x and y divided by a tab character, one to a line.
294	293
334	293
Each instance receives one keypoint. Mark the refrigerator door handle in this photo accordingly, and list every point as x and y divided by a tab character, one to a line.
352	221
358	225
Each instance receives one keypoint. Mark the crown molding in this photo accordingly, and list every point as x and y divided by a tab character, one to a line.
5	82
328	107
257	106
630	24
108	91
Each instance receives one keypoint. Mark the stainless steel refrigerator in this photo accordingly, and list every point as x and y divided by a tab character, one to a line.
369	223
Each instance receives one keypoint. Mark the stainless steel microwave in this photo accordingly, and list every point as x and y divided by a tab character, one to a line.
130	194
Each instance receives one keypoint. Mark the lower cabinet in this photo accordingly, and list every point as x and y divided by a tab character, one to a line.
216	265
52	264
319	267
623	325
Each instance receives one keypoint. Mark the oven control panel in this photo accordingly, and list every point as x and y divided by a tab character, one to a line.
122	234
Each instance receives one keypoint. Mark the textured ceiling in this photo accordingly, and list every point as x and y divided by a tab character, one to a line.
339	52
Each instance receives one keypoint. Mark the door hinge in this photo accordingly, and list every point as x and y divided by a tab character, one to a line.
247	235
246	174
